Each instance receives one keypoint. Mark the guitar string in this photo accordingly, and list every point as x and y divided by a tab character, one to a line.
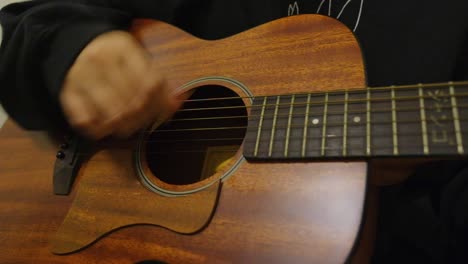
330	102
338	149
375	137
244	139
330	124
350	125
418	122
379	110
349	91
413	148
416	149
355	101
425	86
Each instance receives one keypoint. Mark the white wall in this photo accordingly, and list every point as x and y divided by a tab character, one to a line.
3	116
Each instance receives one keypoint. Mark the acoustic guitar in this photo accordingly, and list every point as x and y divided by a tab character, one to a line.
266	162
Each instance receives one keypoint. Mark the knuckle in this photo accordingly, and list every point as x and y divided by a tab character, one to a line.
117	121
152	90
73	73
128	44
92	55
85	124
95	54
148	92
140	106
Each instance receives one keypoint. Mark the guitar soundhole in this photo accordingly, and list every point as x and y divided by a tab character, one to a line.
200	139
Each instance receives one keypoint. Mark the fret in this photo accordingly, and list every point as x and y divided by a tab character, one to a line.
356	124
288	129
368	122
394	122
282	126
259	130
345	123
315	125
298	120
306	124
408	116
273	127
381	123
334	125
423	120
456	119
324	125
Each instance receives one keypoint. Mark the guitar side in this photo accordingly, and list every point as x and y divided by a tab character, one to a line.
302	212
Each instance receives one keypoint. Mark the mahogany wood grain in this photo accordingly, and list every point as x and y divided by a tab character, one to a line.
111	187
302	212
291	55
323	211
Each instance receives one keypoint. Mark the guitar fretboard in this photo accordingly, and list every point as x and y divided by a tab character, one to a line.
419	120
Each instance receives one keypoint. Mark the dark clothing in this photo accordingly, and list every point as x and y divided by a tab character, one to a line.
404	42
425	219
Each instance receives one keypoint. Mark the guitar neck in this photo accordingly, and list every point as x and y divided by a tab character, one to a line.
413	120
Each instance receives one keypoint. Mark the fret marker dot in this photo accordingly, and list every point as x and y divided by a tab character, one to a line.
357	119
315	121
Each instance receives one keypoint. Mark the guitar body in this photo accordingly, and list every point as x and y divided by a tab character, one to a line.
245	212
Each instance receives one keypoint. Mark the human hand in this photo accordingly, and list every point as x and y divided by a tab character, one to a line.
114	89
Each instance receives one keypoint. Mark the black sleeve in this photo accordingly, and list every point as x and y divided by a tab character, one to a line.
41	39
461	69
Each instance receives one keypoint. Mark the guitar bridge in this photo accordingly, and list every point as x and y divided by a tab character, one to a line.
67	165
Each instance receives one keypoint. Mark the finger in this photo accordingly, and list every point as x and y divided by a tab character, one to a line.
134	84
146	107
103	92
108	104
129	75
82	115
176	102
